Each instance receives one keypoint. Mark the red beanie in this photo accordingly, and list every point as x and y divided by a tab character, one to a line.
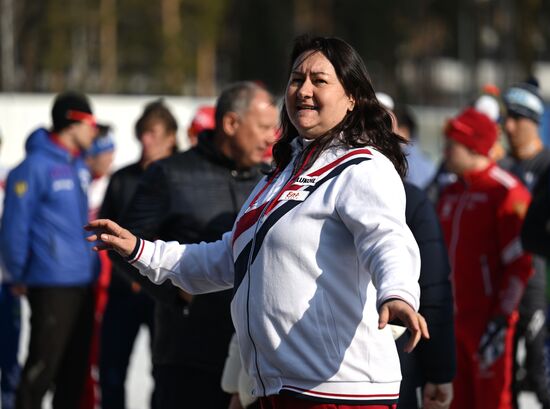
474	130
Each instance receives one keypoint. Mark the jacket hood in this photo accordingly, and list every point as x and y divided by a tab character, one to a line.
39	141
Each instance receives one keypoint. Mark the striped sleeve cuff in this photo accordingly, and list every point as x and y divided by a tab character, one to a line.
402	296
136	253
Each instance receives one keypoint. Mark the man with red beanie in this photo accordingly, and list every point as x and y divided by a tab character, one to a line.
481	215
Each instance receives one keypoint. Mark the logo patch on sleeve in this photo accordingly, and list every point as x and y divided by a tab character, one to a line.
298	195
20	188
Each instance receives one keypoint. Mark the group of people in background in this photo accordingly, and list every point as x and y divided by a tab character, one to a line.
482	193
301	263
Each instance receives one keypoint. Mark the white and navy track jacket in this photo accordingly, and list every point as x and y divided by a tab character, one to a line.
311	257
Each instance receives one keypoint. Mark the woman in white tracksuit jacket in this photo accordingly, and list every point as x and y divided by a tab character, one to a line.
320	257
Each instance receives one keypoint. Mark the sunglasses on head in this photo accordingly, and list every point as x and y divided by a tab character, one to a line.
82	117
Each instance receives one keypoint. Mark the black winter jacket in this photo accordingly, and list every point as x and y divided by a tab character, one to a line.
121	189
432	360
190	197
530	172
535	234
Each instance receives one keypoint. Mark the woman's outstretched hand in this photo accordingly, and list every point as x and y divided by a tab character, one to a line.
110	236
415	323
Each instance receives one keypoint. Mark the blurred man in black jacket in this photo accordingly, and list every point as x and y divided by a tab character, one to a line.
529	160
191	197
128	308
429	370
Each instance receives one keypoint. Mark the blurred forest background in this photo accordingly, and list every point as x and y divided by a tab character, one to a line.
420	51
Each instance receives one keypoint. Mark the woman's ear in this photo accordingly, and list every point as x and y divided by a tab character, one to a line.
351	104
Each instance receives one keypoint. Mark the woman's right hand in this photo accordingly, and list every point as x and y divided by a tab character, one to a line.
110	236
415	323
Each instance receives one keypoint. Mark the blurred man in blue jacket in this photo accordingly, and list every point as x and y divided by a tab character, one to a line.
47	256
10	325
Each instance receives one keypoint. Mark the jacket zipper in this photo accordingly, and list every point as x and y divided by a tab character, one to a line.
455	227
267	208
248	299
486	274
454	240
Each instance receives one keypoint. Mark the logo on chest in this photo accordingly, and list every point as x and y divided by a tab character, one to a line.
298	195
306	180
62	184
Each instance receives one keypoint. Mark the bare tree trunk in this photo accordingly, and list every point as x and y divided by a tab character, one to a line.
313	16
28	58
304	17
508	49
79	44
55	74
172	53
324	21
7	30
56	58
108	45
27	31
528	26
206	67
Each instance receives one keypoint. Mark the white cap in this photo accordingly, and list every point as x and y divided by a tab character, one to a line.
488	105
385	100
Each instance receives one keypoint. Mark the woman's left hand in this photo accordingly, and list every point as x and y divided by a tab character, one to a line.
415	323
110	236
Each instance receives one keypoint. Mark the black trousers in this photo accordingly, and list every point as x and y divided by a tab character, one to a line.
532	374
181	386
61	331
124	315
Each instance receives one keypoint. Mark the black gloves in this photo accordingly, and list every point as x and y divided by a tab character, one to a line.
491	346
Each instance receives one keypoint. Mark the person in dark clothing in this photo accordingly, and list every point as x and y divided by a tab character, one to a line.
191	197
128	308
421	168
535	235
528	159
428	371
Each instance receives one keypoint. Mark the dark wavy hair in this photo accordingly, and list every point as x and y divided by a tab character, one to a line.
369	123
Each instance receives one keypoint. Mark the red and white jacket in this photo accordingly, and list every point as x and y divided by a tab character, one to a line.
311	257
481	216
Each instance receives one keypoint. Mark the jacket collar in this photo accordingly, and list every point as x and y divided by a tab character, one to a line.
54	138
474	175
41	140
207	147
